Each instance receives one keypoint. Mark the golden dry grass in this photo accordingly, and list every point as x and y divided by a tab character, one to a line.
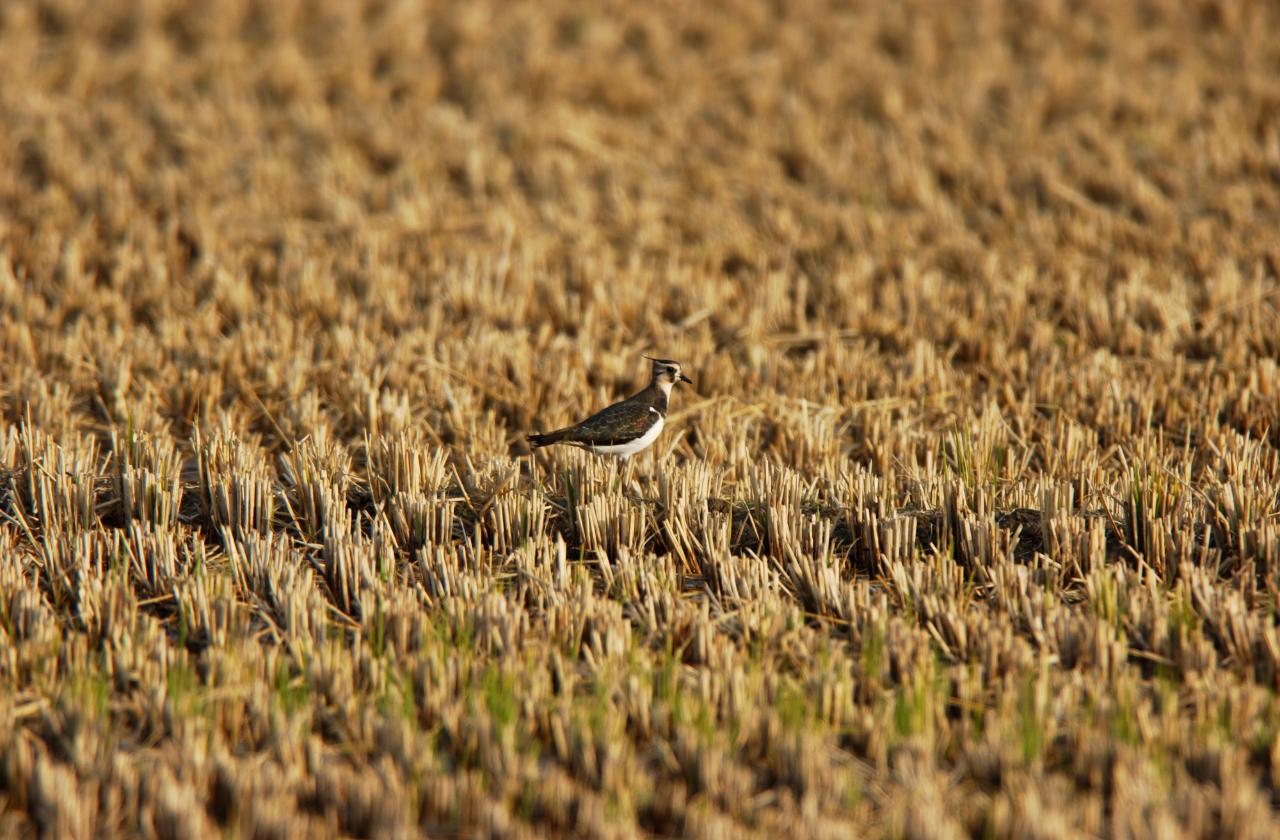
971	525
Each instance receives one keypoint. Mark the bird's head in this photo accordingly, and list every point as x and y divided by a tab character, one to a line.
666	373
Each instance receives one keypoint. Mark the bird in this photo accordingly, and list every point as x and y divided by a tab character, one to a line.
626	427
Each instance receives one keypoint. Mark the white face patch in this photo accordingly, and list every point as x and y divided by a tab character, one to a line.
631	447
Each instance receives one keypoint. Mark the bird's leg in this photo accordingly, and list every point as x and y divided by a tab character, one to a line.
619	465
631	473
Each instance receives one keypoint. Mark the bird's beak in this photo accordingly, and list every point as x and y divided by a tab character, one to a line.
684	378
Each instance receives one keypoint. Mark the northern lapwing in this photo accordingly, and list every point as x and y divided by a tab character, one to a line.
626	427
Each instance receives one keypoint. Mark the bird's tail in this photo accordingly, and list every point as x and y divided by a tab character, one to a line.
546	440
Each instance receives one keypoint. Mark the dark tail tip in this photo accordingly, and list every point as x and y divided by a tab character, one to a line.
541	440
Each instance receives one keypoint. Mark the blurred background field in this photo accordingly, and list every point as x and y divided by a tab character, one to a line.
969	526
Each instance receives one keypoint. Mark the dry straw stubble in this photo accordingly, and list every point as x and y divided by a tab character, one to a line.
970	526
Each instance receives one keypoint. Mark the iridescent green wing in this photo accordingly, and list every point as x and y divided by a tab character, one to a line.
619	423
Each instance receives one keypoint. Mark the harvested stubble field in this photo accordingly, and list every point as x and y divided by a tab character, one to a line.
968	527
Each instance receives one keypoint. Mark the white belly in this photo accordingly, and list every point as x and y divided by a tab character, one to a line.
624	450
